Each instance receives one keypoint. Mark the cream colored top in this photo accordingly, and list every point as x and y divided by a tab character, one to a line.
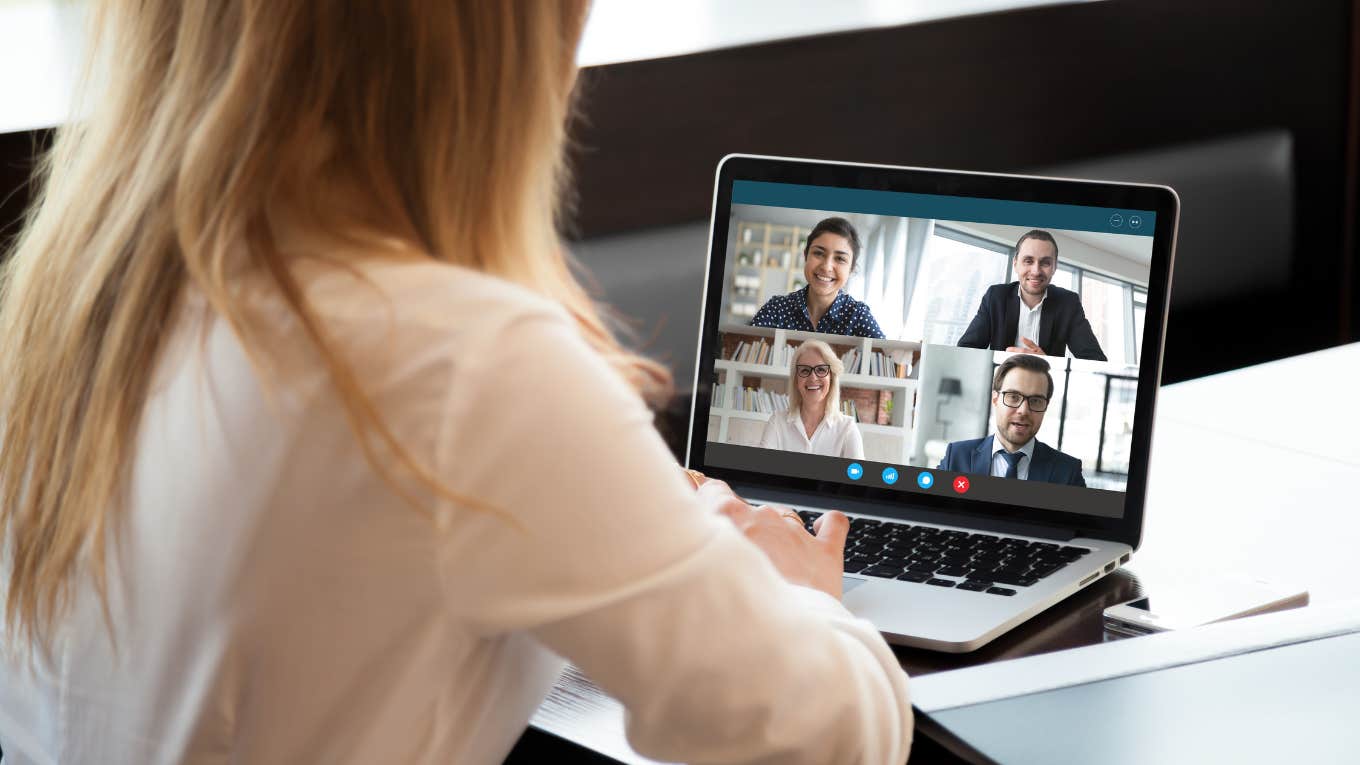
274	602
837	435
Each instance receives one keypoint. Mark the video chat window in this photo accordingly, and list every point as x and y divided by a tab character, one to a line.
878	337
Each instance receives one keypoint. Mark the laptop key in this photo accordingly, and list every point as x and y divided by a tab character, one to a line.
1001	591
1019	580
914	576
941	582
1039	572
972	585
882	570
954	571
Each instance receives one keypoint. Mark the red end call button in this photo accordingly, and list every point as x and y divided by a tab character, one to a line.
961	484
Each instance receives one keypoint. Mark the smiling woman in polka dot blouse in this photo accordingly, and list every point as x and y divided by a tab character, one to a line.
829	257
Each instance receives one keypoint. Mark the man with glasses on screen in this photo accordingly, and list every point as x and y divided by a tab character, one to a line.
1021	391
1030	315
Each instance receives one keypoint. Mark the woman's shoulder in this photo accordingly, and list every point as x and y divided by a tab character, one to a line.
424	294
853	303
391	315
841	420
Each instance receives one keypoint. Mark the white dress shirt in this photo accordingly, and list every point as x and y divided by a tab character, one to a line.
999	464
274	601
837	435
1029	320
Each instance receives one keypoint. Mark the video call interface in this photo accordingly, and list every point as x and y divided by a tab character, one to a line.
975	348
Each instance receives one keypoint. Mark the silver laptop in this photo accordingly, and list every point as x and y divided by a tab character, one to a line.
966	364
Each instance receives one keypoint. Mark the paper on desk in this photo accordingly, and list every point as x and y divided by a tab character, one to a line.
1034	674
579	711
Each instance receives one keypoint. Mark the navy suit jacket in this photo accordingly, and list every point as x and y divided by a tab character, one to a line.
1062	323
1047	464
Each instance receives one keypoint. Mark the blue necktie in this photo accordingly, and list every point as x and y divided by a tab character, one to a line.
1012	463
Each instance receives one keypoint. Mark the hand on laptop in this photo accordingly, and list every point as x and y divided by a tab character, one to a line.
811	561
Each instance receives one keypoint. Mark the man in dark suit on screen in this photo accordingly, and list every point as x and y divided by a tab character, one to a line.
1021	391
1030	315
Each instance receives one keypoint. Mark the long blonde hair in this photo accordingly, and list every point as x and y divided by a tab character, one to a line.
206	120
833	396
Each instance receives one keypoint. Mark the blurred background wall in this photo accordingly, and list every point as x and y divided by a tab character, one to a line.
1246	107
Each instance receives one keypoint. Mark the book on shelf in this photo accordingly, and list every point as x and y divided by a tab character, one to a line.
755	400
896	364
756	352
848	407
850	360
864	404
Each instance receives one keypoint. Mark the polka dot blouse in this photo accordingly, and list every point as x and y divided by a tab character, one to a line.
847	316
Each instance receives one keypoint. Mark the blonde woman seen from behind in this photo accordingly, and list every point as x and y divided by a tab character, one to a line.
814	423
314	451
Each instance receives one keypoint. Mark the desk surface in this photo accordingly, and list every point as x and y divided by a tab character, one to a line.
1253	471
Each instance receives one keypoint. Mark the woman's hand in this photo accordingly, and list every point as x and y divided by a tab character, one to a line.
812	561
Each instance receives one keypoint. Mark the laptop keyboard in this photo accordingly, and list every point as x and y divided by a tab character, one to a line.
948	557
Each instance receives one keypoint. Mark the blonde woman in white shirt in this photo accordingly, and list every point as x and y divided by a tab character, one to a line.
315	452
813	423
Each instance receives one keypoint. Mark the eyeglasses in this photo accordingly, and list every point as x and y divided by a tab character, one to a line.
1012	399
821	370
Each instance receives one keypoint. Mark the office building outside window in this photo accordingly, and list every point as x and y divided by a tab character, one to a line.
956	270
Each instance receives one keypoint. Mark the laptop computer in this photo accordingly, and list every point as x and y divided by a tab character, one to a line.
964	363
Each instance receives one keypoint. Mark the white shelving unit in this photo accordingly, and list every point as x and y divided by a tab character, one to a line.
882	443
768	261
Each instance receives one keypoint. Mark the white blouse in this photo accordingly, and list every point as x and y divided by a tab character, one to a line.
837	435
273	601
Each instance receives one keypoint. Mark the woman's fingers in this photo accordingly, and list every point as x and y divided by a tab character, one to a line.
719	496
832	527
802	558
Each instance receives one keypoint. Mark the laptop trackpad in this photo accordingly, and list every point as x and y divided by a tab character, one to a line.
850	583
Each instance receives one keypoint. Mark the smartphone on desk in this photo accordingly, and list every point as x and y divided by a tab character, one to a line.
1203	601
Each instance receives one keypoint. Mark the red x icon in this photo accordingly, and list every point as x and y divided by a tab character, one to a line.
961	485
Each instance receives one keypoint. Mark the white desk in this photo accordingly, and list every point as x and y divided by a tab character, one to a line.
1260	466
1255	470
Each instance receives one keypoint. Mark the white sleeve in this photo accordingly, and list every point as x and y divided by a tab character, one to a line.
854	442
769	436
610	561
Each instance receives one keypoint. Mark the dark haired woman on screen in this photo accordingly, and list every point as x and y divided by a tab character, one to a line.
829	257
315	452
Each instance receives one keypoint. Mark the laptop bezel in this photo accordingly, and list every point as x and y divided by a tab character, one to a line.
896	503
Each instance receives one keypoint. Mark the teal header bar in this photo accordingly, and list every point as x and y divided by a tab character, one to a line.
1107	220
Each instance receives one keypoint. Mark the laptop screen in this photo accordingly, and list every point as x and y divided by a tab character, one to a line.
928	345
